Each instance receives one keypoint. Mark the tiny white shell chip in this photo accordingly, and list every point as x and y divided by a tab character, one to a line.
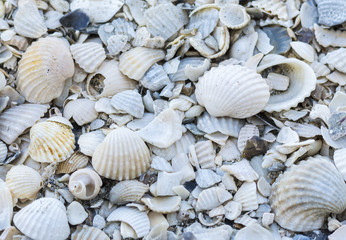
241	170
163	204
76	213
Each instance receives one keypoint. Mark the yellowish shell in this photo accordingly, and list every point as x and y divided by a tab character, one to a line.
76	161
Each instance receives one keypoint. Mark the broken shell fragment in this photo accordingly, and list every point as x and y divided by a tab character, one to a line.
212	198
77	19
234	16
76	161
129	101
85	233
247	196
272	7
88	55
85	184
253	232
163	204
6	206
76	213
241	170
88	142
81	110
336	59
127	191
331	12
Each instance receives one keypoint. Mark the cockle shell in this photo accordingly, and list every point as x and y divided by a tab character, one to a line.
305	194
6	206
43	69
211	198
81	110
129	101
122	155
85	184
88	55
127	191
86	233
247	196
163	204
76	161
234	16
232	91
23	182
88	142
15	120
331	12
51	142
43	219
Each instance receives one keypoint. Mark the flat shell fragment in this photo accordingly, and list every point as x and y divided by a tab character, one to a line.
234	16
76	213
241	170
212	198
129	101
127	191
163	204
76	19
85	233
247	196
253	232
6	206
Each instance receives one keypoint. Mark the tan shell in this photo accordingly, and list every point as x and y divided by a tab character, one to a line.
76	161
122	155
88	55
234	16
85	233
85	184
127	191
305	194
43	69
232	91
23	182
81	110
6	206
163	204
51	142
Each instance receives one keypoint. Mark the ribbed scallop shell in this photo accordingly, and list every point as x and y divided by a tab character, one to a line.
163	204
89	56
43	69
129	101
88	142
88	233
28	22
81	110
234	16
272	7
127	191
3	151
122	155
211	198
245	133
24	182
336	59
137	61
76	161
139	221
85	184
51	142
331	12
247	196
15	120
340	161
6	206
232	91
43	219
305	194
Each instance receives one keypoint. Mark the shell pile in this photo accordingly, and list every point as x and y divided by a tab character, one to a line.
173	119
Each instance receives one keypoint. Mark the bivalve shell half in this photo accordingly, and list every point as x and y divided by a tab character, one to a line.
3	151
88	142
329	37
6	206
76	161
336	59
122	155
127	191
43	69
272	7
129	101
85	184
43	219
340	161
232	91
204	19
89	56
304	195
234	16
81	110
211	198
163	204
87	233
247	196
331	12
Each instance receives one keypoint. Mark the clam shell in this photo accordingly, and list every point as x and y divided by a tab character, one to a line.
23	182
76	161
3	151
336	59
212	198
234	16
241	170
6	206
50	142
43	219
329	37
28	22
247	196
85	184
137	61
89	56
331	13
43	69
127	191
272	7
163	204
307	193
233	210
236	92
155	78
340	161
139	221
122	155
204	19
129	101
304	50
86	233
205	154
81	110
15	120
88	142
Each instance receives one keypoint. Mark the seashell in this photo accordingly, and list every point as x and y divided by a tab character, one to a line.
85	232
263	42
116	44
173	18
89	56
329	37
212	92
247	196
229	151
19	42
307	210
23	182
246	133
43	69
161	164
337	126
337	102
52	19
85	184
308	14
81	110
336	59
188	64
127	191
252	232
108	80
155	78
304	50
136	8
119	26
77	19
272	7
204	153
278	82
302	82
60	120
88	142
233	210
73	163
212	198
287	135
15	120
337	77
139	221
50	142
339	160
76	213
121	149
6	206
331	13
206	178
129	101
163	204
196	231
3	151
28	22
50	220
234	16
304	130
98	11
278	38
241	170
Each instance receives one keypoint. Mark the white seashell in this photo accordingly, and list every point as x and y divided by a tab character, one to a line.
15	120
139	221
163	204
23	182
336	59
50	142
166	182
127	191
186	67
50	220
272	7
28	22
116	43
337	77
338	101
233	210
88	142
6	206
119	26
221	232
251	95
246	133
161	164
89	56
308	14
60	120
320	69
129	101
52	19
164	20
217	138
206	178
164	130
329	37
85	184
212	198
204	153
331	12
263	187
73	163
253	232
245	220
278	82
81	110
304	130
122	155
263	42
241	170
76	213
98	11
86	233
137	61
302	82
3	151
340	161
304	50
155	78
287	135
234	16
247	196
305	211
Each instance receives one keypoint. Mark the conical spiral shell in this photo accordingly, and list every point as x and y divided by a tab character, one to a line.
43	219
43	69
304	195
50	142
85	184
122	155
232	91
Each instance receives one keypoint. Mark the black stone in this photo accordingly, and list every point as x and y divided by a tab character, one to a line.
76	20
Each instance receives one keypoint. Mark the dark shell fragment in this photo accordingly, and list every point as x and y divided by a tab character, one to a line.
76	19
